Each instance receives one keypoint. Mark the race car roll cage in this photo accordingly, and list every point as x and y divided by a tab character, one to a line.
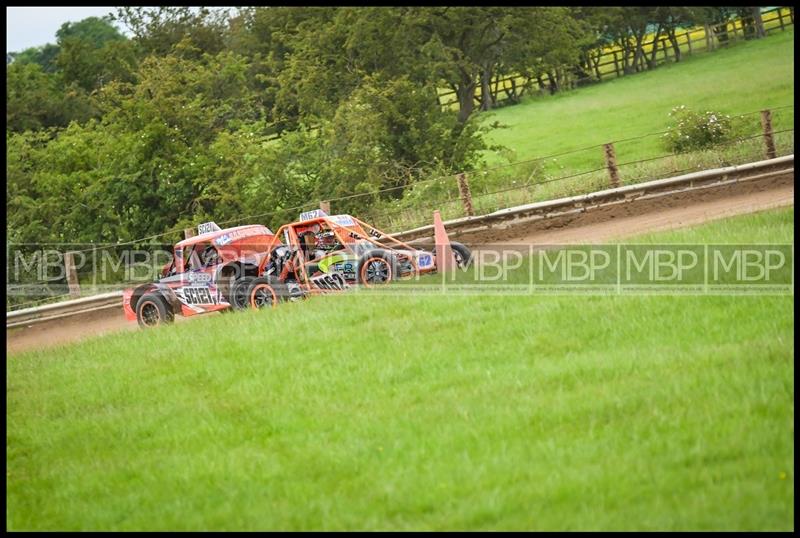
346	235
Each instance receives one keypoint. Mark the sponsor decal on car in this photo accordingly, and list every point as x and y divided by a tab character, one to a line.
343	220
229	237
424	260
338	262
199	277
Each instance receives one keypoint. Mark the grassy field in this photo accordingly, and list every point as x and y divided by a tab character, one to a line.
439	412
699	45
747	77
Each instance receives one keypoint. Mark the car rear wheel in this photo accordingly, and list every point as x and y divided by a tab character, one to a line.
152	310
261	293
376	268
239	299
462	254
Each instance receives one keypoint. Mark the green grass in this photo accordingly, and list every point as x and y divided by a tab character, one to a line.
415	412
607	68
749	76
746	77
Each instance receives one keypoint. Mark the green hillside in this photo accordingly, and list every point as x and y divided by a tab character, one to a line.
421	412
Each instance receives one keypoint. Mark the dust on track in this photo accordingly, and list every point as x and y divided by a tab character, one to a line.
601	224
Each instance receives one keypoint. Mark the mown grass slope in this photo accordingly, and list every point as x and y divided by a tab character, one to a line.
437	412
744	78
749	76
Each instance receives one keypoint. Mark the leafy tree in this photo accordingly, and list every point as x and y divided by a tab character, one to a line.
387	135
466	47
96	30
669	19
546	40
45	56
158	30
334	49
752	23
716	20
37	100
463	46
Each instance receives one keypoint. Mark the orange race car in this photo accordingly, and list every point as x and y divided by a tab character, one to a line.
321	253
249	266
201	275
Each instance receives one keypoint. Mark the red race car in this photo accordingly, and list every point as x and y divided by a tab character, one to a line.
201	275
249	266
322	253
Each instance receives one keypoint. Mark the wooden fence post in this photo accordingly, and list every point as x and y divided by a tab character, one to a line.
325	205
780	17
769	141
611	164
616	64
188	232
72	275
689	41
466	195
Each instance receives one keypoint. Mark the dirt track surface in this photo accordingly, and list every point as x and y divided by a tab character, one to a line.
602	224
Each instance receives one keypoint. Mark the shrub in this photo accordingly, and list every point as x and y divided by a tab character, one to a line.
697	130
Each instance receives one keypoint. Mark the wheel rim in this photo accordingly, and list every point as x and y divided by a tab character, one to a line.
459	258
150	314
263	295
376	271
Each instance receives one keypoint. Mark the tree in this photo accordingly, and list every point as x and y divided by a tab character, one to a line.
45	56
158	30
462	47
38	100
752	23
332	50
387	134
95	30
545	40
669	19
716	21
594	40
81	63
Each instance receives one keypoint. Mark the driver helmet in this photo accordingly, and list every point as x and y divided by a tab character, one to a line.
326	240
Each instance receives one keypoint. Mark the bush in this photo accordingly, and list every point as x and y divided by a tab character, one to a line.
697	130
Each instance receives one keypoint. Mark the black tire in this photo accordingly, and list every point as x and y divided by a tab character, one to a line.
377	267
462	253
294	292
239	297
264	292
152	310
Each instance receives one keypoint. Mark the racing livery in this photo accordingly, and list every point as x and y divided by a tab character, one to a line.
200	276
250	267
322	253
